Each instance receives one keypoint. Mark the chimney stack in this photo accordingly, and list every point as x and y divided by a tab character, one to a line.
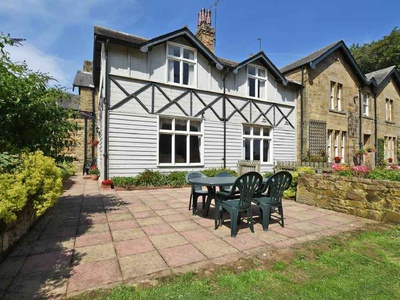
205	32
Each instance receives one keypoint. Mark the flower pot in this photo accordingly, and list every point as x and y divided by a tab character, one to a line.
107	187
94	176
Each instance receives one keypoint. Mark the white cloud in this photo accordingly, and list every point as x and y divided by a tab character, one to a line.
40	61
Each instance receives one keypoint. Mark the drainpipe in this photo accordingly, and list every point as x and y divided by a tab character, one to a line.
93	122
302	114
106	116
224	114
376	127
360	142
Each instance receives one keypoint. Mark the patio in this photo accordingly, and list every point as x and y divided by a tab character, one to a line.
96	238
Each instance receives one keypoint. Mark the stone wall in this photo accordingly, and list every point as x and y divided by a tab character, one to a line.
11	233
373	199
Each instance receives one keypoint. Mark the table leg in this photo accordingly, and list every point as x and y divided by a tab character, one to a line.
211	195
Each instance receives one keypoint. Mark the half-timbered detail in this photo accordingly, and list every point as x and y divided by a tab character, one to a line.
169	103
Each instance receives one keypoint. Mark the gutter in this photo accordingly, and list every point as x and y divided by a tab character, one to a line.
375	127
360	143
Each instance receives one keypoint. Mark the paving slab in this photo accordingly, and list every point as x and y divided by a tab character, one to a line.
96	238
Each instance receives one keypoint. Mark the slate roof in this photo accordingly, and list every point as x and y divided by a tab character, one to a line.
309	58
83	79
118	35
380	75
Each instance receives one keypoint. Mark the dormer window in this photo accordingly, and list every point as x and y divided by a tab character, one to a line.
181	61
256	81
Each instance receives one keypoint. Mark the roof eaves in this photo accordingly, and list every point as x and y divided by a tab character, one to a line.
261	55
145	46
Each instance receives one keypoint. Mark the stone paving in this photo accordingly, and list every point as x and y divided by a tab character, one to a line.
95	238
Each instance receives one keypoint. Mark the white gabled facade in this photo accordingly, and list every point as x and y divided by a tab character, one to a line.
170	104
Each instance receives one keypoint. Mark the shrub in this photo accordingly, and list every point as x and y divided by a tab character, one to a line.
391	173
176	179
291	191
9	162
67	169
211	172
37	179
125	182
150	178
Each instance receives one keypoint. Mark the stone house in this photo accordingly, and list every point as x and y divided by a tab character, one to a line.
87	135
170	104
340	110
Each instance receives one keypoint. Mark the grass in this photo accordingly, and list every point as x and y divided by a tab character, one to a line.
362	265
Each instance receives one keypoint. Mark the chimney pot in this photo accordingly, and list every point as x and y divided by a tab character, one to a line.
205	33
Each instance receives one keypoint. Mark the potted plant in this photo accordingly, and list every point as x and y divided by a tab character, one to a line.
107	184
94	172
390	159
361	152
370	149
337	159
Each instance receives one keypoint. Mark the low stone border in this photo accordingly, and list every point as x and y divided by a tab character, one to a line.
373	199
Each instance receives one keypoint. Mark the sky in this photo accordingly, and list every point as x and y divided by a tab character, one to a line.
59	33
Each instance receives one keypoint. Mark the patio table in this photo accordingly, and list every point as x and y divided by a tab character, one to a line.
211	183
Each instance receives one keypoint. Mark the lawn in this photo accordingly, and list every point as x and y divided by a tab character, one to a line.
361	265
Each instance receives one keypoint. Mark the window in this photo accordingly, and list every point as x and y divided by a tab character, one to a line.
366	105
390	147
181	62
389	110
256	81
336	96
257	143
336	145
180	141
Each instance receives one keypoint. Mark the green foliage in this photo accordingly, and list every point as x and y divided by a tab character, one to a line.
291	191
378	54
176	179
211	172
125	182
67	169
381	153
150	178
32	116
37	179
322	156
9	162
392	174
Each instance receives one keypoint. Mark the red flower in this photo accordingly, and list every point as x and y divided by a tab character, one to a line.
107	182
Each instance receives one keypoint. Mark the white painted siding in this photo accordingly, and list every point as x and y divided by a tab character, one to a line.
132	143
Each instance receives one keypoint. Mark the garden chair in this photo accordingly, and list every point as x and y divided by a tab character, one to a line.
196	190
226	189
276	185
234	203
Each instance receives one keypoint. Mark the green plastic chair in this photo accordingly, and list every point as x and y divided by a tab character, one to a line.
196	190
234	203
225	189
275	187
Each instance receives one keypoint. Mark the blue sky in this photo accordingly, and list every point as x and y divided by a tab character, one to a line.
59	33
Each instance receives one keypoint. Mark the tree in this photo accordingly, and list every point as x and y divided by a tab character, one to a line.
378	54
31	113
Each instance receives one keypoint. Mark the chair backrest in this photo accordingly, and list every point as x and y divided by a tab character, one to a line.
192	175
277	184
223	174
247	185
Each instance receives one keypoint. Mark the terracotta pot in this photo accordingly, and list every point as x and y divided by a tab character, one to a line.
107	187
94	176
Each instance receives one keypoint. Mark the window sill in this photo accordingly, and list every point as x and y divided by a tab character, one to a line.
180	165
367	117
181	85
340	112
390	122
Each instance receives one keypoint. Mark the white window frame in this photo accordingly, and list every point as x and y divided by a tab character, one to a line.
366	104
260	137
336	145
257	79
389	110
390	145
181	61
343	146
173	132
336	96
329	146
